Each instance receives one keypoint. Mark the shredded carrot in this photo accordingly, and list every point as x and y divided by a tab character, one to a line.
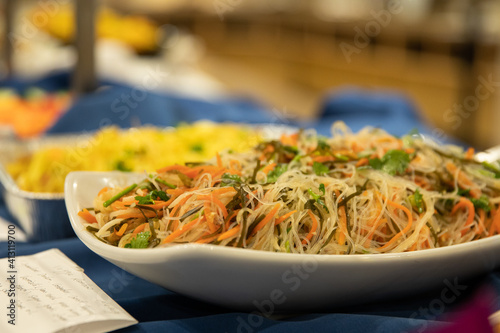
314	226
175	191
228	222
361	162
160	204
139	228
211	198
229	233
235	164
469	154
482	218
377	221
289	140
103	190
119	205
179	205
219	160
405	229
463	181
380	222
194	172
137	215
268	168
323	158
266	219
342	231
87	216
495	224
181	230
219	204
223	190
465	203
122	229
209	215
233	172
206	240
422	182
211	169
409	150
343	226
217	176
268	149
284	217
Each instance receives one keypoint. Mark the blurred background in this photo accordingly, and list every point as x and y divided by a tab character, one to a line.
286	54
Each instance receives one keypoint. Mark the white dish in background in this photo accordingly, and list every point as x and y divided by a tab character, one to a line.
249	279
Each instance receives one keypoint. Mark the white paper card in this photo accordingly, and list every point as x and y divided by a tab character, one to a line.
50	293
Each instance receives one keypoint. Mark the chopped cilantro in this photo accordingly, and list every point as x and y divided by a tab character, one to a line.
229	179
141	241
151	197
145	200
273	175
322	145
320	168
463	192
322	188
376	163
416	201
394	162
317	197
481	203
160	194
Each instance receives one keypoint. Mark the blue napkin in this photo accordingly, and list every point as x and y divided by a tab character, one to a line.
127	107
391	111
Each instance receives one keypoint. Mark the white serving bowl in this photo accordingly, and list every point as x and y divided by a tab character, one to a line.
274	282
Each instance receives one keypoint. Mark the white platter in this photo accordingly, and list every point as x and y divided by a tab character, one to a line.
271	282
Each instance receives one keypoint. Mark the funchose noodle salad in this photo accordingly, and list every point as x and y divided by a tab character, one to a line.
368	192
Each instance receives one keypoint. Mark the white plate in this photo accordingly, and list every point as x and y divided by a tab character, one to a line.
250	279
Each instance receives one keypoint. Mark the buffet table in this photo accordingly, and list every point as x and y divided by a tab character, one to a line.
157	309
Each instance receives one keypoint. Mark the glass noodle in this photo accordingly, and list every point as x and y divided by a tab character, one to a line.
352	193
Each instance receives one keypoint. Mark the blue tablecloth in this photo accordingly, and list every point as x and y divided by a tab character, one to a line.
158	309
